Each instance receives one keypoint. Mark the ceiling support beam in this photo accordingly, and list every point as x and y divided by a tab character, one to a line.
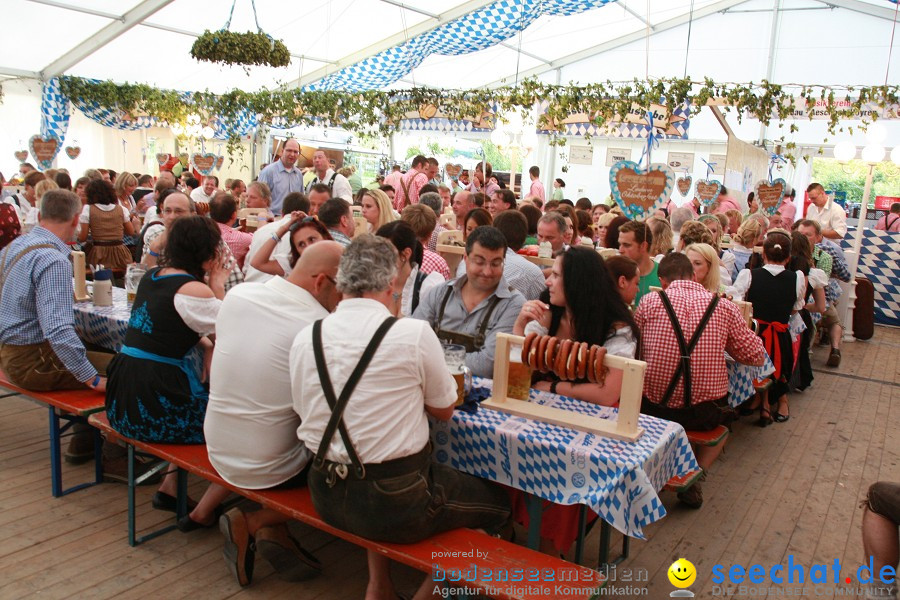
391	41
624	40
10	72
862	7
637	16
103	37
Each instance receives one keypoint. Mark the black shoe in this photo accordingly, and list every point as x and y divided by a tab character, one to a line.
164	501
834	359
765	418
186	524
692	497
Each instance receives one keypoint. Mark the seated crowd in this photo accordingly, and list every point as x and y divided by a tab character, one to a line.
313	306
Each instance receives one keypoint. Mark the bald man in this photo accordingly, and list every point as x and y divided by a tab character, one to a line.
251	437
283	176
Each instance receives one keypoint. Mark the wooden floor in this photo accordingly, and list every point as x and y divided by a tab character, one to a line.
789	489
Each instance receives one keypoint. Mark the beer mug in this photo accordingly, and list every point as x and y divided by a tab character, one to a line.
455	357
519	376
133	275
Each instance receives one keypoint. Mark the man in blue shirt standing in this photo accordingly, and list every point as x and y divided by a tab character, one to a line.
283	176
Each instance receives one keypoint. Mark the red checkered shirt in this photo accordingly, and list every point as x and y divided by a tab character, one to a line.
238	242
725	331
434	263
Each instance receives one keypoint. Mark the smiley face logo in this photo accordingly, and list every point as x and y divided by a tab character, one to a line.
682	573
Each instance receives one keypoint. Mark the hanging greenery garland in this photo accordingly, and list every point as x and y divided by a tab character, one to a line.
233	48
382	110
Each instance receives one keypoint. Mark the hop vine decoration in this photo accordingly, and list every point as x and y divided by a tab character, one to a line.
233	48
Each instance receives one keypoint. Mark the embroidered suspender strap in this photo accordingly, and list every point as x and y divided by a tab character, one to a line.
482	329
437	325
405	186
338	404
684	364
331	181
5	270
417	288
887	226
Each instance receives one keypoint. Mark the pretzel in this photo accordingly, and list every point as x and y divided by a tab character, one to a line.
572	363
599	370
591	373
562	357
539	359
581	365
526	347
550	357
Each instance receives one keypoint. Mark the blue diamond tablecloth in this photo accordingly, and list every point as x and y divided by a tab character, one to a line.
741	378
618	480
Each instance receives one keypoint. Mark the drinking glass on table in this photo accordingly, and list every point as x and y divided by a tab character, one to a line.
133	275
455	357
519	376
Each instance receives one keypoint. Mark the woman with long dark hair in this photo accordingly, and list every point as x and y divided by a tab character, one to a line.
582	303
303	231
153	394
816	280
411	283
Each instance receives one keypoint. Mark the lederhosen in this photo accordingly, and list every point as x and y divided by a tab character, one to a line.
699	416
473	343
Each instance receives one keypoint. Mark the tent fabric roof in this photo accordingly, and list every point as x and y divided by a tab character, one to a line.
359	44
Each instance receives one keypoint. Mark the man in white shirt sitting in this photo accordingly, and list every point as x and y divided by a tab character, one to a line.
206	192
251	432
375	478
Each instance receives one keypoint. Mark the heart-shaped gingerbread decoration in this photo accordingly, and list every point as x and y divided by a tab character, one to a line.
162	158
73	152
219	161
21	155
707	190
684	184
453	170
639	192
204	163
43	150
770	195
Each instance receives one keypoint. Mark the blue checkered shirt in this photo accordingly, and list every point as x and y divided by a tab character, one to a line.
37	301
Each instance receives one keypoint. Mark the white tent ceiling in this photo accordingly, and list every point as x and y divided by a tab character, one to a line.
148	41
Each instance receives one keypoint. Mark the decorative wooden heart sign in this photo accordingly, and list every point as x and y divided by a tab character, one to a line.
43	150
21	155
205	163
162	158
684	184
219	162
640	192
73	152
453	170
770	195
707	190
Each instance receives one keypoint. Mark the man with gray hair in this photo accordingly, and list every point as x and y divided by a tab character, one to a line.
433	200
372	473
552	228
679	217
40	349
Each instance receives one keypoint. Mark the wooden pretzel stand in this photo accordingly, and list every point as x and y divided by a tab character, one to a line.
624	428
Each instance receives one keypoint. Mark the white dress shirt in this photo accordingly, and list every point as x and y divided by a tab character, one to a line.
198	195
281	253
385	416
830	216
251	426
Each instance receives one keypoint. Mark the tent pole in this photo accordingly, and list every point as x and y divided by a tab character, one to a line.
770	67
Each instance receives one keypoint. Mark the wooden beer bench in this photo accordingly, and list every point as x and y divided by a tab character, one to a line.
71	406
433	556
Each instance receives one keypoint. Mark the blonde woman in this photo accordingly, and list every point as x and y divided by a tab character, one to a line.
705	261
376	209
125	185
726	258
602	224
748	235
662	237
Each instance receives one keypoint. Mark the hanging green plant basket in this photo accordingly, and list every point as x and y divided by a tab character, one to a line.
232	48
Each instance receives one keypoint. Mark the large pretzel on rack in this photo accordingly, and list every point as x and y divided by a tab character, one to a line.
569	360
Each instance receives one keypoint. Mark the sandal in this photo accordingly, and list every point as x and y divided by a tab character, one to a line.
780	418
765	417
